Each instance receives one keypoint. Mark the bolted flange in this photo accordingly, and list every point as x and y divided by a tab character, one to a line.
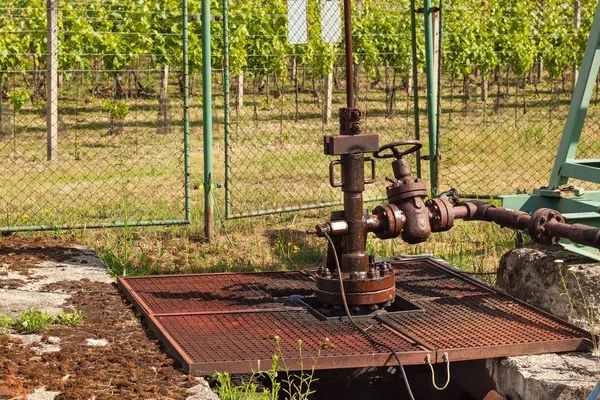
376	287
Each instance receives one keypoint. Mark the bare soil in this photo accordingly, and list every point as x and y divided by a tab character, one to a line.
132	366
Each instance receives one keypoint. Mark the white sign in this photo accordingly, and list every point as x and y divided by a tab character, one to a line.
297	21
331	25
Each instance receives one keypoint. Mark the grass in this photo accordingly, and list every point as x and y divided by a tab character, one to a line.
279	380
73	318
36	321
33	321
488	146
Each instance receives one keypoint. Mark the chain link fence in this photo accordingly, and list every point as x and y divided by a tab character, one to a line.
505	90
288	84
110	118
90	114
505	98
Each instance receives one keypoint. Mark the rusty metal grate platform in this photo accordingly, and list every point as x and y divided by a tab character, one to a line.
230	322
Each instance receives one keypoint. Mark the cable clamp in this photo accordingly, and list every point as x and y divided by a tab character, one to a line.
447	361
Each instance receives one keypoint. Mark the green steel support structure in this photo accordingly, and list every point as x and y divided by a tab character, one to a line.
576	205
209	201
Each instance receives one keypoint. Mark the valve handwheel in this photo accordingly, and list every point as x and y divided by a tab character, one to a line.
415	146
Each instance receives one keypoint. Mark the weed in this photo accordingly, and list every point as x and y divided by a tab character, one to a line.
33	321
73	318
120	260
5	321
248	390
285	249
296	386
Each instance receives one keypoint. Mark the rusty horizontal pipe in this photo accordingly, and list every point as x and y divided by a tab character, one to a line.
578	233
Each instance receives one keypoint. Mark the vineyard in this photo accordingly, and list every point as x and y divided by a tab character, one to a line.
507	73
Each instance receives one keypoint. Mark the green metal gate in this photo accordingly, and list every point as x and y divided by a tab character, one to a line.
94	124
281	98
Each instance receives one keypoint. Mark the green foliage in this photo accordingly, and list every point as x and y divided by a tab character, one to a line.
33	321
383	35
121	259
36	321
73	318
114	34
5	321
17	99
285	250
117	110
293	386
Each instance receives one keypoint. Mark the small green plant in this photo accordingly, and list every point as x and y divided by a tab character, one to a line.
33	321
116	110
17	99
120	260
297	385
73	318
5	323
248	390
285	249
266	105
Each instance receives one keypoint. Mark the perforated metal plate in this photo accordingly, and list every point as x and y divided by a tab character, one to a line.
237	322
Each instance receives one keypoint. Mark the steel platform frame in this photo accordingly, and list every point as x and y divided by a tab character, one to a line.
236	322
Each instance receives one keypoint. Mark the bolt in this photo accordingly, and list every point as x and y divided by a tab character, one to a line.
354	275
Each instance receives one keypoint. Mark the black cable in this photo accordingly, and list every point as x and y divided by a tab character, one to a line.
363	331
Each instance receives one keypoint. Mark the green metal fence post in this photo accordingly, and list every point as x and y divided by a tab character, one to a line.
438	93
186	115
415	79
207	125
226	105
431	97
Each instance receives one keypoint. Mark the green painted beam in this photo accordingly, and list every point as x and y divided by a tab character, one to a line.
577	170
579	106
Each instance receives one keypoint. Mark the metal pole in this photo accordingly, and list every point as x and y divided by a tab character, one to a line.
186	115
438	90
349	57
431	98
226	108
207	117
415	78
52	80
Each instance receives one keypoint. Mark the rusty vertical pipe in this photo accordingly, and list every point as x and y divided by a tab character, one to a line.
349	56
354	258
